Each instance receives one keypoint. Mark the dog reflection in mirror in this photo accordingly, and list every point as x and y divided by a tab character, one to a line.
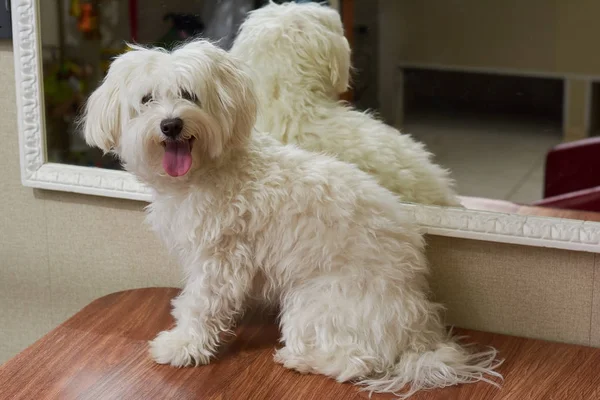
302	63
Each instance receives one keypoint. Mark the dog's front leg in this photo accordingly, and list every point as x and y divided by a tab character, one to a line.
210	302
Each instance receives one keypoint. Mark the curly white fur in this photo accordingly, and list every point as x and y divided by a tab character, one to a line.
301	62
255	219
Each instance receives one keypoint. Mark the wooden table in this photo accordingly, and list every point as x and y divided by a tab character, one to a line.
101	353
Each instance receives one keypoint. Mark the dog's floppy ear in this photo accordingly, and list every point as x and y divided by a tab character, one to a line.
340	64
236	97
102	120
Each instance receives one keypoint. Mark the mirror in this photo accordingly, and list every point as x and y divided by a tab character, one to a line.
504	94
79	38
500	92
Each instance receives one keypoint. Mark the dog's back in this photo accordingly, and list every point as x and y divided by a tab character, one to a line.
300	60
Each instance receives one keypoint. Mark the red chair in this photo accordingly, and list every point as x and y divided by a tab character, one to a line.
572	176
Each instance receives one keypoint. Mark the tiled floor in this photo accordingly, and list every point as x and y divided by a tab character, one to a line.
496	157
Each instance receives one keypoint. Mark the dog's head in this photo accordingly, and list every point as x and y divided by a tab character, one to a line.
297	43
166	113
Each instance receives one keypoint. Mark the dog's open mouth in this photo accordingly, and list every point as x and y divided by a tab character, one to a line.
177	159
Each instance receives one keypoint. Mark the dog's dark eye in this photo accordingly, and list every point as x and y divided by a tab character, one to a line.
189	96
146	99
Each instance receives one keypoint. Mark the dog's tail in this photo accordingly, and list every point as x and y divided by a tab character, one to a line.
445	365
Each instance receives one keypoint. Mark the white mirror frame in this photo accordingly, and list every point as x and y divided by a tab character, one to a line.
36	172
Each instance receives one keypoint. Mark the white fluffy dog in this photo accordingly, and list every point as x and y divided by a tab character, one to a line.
301	60
250	218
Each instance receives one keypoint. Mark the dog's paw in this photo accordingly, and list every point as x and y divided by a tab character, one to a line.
178	349
289	360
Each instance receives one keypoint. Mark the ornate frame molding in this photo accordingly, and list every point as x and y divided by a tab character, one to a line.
567	234
36	172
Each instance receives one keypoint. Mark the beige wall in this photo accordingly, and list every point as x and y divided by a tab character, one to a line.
59	251
528	37
510	34
518	290
535	35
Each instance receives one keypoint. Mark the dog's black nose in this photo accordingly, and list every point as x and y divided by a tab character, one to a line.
171	127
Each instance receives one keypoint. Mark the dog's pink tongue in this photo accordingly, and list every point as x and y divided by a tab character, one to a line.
177	160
